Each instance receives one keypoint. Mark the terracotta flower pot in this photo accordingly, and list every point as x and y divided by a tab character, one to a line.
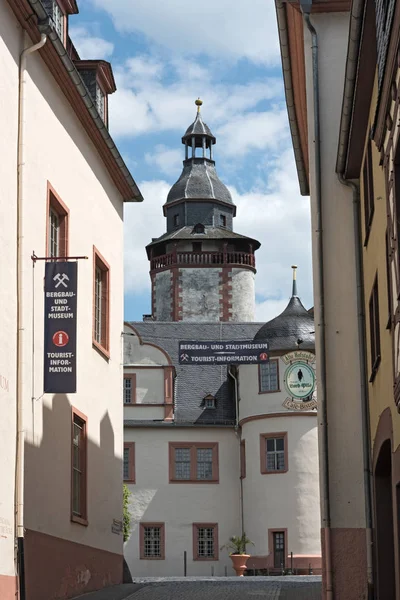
239	562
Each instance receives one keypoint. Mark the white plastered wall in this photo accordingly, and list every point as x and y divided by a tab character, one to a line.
179	505
10	48
342	362
283	500
58	150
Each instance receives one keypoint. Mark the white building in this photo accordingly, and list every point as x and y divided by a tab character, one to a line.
63	188
210	450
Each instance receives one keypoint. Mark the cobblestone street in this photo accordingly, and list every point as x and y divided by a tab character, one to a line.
227	588
263	588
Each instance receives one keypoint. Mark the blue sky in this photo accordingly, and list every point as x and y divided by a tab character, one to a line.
164	56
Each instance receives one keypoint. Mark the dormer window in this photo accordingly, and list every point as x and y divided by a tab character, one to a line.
209	401
58	20
98	77
100	102
199	228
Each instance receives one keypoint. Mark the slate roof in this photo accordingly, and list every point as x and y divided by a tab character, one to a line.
194	382
293	324
199	181
210	233
198	127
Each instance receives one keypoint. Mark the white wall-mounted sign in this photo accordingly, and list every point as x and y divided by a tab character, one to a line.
299	380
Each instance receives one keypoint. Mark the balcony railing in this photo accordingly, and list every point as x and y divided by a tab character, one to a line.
209	259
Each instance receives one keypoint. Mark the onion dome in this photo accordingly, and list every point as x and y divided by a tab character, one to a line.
293	329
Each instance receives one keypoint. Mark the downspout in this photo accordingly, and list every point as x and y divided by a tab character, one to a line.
320	300
357	19
239	435
19	462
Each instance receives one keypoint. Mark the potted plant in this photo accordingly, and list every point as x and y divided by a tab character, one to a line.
237	544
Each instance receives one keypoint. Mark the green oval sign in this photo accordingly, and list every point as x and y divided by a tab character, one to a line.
299	380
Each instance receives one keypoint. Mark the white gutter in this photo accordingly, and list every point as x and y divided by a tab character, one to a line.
19	463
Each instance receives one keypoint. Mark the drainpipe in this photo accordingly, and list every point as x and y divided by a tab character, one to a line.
19	462
320	301
239	435
363	379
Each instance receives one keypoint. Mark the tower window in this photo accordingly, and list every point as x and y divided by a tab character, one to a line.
222	220
196	246
176	220
199	228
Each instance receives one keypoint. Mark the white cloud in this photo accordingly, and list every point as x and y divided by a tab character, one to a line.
145	102
89	46
142	220
143	67
220	28
269	309
277	216
168	160
253	131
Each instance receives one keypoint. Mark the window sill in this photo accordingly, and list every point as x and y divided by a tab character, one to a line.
79	520
205	559
270	392
274	472
144	404
129	480
375	368
152	558
101	350
194	481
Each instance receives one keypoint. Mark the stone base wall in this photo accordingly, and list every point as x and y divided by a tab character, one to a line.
59	569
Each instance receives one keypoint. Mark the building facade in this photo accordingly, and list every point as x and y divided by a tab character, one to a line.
355	105
58	162
212	451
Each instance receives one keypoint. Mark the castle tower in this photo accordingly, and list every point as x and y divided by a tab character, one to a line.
201	270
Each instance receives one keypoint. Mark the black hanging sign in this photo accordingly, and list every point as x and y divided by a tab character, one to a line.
60	299
223	353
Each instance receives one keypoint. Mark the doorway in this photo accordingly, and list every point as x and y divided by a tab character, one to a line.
384	523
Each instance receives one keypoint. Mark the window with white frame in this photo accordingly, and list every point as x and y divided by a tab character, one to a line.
57	226
101	302
274	453
269	376
98	299
126	463
152	541
205	541
100	102
193	462
58	20
129	388
54	233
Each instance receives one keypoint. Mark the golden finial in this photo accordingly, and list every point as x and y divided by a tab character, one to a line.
198	103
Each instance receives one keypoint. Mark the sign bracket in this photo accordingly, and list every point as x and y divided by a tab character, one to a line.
56	258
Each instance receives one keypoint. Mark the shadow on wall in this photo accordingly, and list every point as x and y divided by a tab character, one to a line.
62	558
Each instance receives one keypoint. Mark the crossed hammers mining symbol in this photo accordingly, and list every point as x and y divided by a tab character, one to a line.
60	279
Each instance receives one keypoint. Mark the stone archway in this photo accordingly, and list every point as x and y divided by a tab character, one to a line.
386	580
